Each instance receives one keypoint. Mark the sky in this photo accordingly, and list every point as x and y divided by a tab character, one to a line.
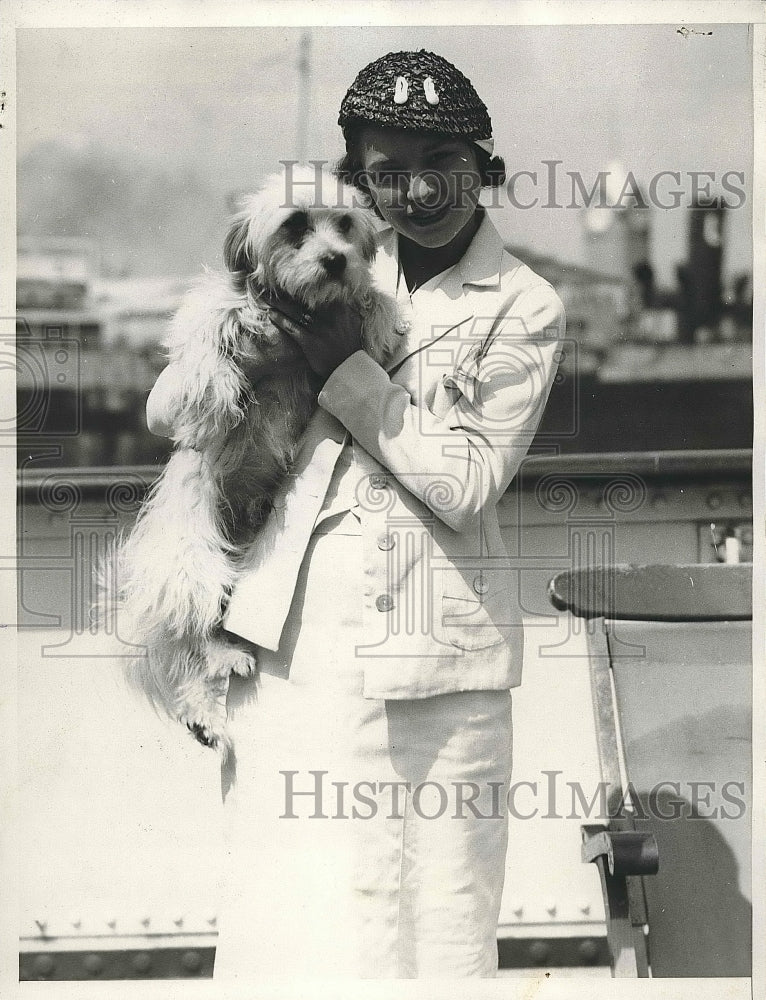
136	137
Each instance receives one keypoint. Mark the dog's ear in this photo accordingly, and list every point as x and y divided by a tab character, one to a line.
368	234
238	253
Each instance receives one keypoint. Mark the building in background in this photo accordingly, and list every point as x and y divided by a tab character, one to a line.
86	359
617	225
644	368
649	368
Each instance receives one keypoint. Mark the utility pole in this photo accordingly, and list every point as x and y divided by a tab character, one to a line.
304	96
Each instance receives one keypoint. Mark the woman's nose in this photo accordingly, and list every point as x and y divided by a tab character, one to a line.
420	190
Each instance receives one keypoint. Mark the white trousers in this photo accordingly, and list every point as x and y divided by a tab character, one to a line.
365	838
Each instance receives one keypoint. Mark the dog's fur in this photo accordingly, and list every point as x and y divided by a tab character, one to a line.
243	394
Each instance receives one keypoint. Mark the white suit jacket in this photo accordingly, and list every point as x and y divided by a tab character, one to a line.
438	437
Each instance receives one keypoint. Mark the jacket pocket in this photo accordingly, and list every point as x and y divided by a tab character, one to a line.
476	622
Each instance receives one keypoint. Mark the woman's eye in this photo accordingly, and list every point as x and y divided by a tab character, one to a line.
443	155
382	177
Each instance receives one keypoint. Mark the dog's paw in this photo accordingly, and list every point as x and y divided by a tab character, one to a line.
227	654
210	733
207	724
202	734
243	662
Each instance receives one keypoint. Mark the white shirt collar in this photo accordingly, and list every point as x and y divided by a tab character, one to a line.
480	264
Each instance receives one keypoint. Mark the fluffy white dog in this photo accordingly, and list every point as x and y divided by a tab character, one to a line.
242	394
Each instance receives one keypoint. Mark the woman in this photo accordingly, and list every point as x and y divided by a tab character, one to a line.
366	795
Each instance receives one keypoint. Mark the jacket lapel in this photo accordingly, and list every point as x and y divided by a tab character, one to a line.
449	306
264	591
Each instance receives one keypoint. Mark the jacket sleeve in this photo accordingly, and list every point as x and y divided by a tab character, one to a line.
460	462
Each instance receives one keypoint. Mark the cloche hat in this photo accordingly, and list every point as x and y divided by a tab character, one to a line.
417	90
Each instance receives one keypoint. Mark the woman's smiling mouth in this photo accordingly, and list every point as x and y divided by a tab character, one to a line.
426	217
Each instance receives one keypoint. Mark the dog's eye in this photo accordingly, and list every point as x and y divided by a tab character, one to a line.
296	226
345	222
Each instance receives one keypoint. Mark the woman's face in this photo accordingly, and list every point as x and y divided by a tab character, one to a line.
424	184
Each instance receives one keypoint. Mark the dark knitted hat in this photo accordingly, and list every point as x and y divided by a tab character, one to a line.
416	90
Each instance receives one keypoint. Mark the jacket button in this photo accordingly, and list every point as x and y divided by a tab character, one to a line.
384	602
378	481
480	585
386	542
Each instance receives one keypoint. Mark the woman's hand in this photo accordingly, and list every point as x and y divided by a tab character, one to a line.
326	338
271	356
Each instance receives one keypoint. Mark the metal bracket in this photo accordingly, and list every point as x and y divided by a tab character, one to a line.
628	852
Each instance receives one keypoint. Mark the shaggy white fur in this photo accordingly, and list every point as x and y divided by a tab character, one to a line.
241	398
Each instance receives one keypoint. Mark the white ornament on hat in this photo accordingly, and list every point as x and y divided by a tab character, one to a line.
429	89
488	145
401	91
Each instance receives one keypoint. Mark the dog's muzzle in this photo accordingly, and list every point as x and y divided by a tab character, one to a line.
334	264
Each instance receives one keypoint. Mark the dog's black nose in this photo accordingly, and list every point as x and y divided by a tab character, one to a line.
334	263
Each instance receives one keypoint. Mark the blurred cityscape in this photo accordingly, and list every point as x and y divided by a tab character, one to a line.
645	368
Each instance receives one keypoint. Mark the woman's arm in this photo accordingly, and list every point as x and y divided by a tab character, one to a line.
465	460
162	402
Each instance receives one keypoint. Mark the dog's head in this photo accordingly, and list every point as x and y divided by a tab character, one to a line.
303	236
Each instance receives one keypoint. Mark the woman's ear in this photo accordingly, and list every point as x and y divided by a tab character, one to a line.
238	253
